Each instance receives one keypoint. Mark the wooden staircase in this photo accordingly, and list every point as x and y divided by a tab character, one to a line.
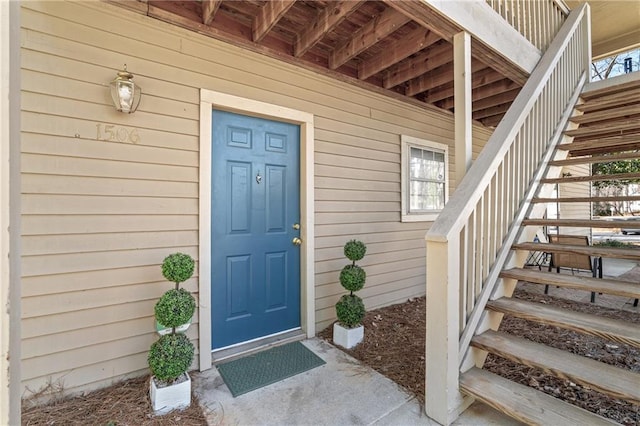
608	124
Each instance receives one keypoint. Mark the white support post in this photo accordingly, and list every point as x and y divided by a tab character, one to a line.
462	103
9	213
443	400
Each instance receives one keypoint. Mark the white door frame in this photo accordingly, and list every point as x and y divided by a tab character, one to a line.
208	101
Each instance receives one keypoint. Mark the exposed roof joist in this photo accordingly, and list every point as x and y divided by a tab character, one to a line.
326	21
378	28
399	48
268	16
209	9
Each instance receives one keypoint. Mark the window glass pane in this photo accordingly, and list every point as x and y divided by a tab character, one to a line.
426	196
427	180
426	164
417	163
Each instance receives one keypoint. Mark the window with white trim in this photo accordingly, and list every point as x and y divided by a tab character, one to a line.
425	183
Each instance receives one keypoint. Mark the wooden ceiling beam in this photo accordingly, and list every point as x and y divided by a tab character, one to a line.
438	77
495	100
435	78
482	75
209	9
424	15
481	92
423	62
415	41
268	17
375	30
327	20
489	112
492	121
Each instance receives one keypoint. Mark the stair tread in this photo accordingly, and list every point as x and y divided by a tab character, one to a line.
596	159
599	285
585	199
583	223
602	145
607	328
605	378
630	126
591	178
624	87
603	251
607	114
604	102
524	403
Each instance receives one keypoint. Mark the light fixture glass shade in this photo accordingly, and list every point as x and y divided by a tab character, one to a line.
125	93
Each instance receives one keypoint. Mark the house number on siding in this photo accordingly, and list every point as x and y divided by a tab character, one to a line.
113	133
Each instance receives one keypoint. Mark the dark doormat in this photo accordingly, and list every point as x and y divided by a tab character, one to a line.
264	368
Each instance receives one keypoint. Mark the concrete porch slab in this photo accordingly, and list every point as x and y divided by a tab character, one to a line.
341	392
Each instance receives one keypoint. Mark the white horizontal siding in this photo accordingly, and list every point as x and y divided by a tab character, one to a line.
99	216
575	210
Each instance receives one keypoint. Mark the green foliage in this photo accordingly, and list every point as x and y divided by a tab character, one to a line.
175	307
352	277
170	356
614	243
178	267
355	250
613	168
350	310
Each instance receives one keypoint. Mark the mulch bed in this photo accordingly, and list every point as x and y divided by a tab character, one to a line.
125	403
394	345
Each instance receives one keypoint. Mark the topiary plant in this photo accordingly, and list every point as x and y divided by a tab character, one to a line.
178	267
355	250
350	308
352	278
170	356
175	307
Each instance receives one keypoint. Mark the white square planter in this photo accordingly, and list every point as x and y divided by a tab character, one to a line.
169	398
347	337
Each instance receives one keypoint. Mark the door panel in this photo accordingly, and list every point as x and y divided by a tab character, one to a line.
255	267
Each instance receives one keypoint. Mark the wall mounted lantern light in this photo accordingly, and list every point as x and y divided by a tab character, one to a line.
125	93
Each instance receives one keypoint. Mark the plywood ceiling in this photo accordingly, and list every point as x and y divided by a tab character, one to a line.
615	25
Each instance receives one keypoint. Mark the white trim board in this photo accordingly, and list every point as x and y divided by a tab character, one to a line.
208	101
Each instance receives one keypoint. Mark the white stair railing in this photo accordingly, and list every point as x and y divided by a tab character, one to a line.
469	243
538	21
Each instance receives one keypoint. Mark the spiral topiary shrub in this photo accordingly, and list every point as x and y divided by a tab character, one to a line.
178	267
170	356
350	310
175	307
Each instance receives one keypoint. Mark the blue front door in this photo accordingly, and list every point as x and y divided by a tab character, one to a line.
255	210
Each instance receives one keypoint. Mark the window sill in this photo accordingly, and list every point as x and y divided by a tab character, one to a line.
425	217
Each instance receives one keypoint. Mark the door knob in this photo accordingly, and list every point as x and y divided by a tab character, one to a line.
296	241
296	226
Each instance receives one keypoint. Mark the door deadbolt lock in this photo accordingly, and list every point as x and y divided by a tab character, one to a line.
296	241
296	226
